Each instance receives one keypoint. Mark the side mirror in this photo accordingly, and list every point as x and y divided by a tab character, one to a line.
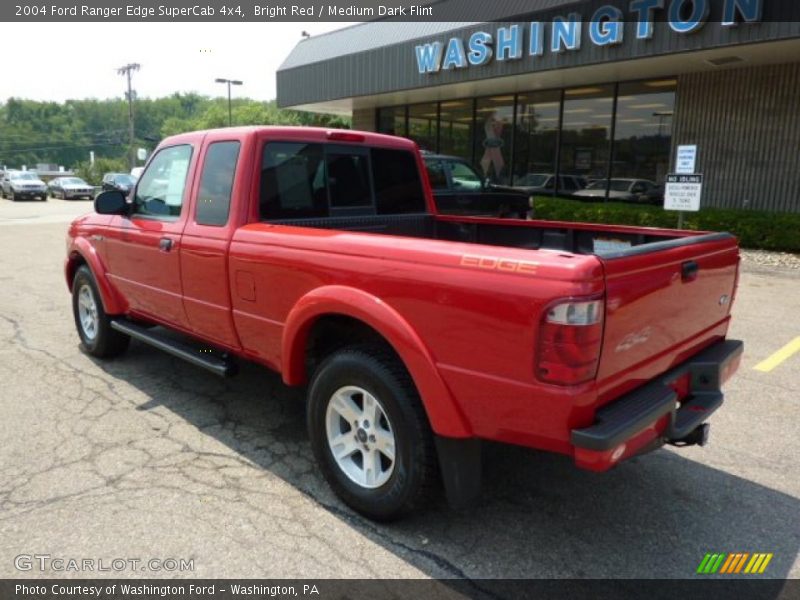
111	202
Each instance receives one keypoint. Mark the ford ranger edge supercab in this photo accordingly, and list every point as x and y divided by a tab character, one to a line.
319	254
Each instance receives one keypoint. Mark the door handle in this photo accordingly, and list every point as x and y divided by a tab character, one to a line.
689	270
165	244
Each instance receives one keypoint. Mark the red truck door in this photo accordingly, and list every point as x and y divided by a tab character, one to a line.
210	224
143	247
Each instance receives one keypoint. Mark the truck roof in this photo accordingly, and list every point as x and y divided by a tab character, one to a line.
311	134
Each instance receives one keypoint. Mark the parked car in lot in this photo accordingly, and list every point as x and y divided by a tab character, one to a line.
68	188
321	254
623	190
23	185
545	183
121	182
459	189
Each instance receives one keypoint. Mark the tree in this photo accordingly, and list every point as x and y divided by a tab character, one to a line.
48	132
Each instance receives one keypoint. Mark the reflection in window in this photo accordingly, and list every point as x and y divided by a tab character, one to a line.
643	132
456	128
392	121
536	138
586	131
423	126
493	124
160	191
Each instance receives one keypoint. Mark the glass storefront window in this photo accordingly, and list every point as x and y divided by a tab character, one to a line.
423	125
483	130
392	121
536	138
643	131
456	128
493	136
586	132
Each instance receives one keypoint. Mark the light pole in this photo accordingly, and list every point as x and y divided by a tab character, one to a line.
230	82
126	70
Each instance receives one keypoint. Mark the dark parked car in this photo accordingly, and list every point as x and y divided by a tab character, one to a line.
70	187
459	189
122	182
544	183
623	190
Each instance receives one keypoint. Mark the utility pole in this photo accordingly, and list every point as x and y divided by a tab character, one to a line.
230	82
127	70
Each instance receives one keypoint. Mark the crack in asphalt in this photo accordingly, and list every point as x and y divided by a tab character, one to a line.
183	460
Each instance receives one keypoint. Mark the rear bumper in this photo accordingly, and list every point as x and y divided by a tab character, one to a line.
651	415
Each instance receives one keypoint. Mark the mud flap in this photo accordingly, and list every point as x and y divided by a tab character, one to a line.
460	461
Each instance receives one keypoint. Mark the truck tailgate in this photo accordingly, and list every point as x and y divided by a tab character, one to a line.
663	297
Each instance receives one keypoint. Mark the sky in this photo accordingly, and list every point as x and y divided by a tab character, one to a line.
80	60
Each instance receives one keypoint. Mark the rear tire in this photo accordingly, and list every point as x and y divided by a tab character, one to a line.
91	320
363	406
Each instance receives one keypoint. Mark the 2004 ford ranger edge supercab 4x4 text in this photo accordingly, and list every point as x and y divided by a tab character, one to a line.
320	254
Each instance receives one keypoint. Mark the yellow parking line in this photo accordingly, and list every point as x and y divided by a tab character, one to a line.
767	365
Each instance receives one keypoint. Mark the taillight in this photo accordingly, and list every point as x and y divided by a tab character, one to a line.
570	337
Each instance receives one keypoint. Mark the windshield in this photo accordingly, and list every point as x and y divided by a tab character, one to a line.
465	176
73	181
535	179
25	176
620	185
124	179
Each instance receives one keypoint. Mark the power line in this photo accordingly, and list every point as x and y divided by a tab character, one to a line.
5	136
56	142
71	147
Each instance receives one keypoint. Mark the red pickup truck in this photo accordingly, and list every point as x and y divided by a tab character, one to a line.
320	254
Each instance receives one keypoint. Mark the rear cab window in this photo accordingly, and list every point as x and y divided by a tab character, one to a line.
318	180
216	183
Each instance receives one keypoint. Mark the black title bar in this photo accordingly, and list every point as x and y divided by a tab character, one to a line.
369	10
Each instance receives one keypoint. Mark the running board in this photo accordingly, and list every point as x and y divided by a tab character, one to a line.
221	366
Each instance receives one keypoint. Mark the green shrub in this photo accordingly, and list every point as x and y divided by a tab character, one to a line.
755	229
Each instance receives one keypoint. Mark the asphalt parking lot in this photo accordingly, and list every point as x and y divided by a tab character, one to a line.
147	457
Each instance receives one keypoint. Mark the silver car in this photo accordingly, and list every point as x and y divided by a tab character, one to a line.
622	190
21	185
68	188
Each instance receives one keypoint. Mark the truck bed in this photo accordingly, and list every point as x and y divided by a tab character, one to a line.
606	241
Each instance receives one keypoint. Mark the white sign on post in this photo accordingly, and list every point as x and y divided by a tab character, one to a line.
686	160
683	192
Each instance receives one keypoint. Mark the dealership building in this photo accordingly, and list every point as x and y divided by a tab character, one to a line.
602	90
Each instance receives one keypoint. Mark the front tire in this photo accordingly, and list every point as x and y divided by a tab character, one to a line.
370	433
91	320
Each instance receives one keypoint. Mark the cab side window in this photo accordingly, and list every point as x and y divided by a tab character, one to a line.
216	183
160	190
436	174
